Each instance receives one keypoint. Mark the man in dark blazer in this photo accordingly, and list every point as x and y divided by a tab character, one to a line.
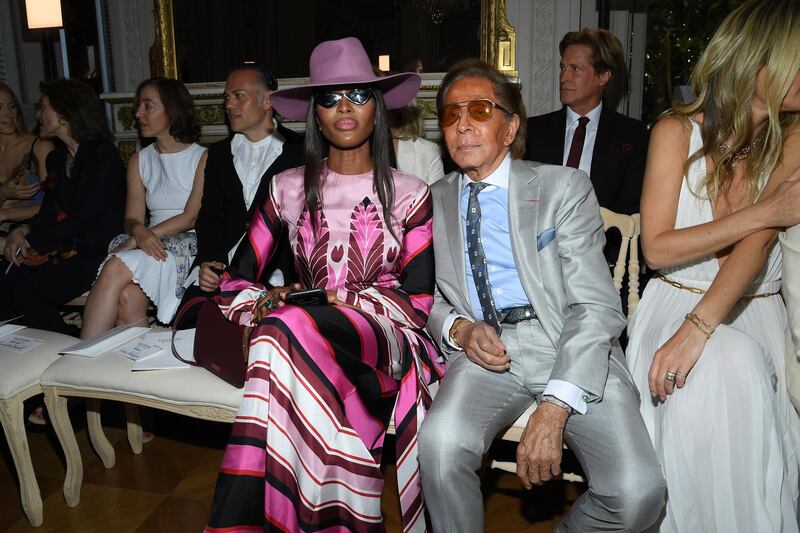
613	150
238	171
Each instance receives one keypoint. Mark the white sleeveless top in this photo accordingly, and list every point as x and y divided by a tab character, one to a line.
168	179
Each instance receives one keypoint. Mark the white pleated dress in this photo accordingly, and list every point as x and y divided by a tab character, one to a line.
168	180
728	440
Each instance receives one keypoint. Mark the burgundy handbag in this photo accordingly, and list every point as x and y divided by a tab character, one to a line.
220	346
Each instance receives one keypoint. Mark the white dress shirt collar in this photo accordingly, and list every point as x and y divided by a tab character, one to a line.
593	116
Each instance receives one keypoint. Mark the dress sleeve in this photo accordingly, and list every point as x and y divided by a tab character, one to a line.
410	302
239	290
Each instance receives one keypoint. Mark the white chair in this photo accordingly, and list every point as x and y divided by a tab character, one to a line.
193	392
19	380
629	227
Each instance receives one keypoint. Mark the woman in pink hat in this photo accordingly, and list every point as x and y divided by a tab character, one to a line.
326	374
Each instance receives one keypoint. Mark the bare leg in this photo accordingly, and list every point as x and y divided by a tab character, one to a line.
103	303
132	305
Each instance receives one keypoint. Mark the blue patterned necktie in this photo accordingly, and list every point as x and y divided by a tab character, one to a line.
477	259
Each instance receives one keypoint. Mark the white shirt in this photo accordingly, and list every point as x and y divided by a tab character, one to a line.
252	159
588	142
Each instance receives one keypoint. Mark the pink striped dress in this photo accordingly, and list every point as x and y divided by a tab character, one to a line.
305	450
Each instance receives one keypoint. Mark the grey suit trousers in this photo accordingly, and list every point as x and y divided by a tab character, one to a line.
626	486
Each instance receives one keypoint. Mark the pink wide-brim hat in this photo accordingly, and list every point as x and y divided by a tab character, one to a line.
342	63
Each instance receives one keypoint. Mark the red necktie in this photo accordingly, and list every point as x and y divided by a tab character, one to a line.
576	148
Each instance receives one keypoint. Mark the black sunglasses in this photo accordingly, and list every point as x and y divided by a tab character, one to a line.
328	99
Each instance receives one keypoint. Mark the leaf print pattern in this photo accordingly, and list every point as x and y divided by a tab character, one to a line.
311	251
365	253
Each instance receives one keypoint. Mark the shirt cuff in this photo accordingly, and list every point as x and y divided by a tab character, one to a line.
448	323
568	393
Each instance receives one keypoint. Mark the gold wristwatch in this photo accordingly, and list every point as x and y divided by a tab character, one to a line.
458	323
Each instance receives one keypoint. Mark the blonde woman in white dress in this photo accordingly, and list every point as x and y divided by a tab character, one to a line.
165	180
707	342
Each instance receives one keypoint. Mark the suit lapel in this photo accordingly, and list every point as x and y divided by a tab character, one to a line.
523	213
451	203
603	145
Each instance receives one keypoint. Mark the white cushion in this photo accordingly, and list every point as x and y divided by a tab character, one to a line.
19	371
111	373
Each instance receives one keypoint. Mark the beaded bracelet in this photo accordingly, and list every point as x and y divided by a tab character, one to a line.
704	327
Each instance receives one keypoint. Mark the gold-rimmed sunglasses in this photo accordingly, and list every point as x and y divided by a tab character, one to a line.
480	110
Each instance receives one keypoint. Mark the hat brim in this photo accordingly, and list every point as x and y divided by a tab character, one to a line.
398	90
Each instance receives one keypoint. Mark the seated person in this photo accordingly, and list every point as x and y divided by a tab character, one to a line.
415	155
22	162
323	379
525	312
57	254
152	263
237	173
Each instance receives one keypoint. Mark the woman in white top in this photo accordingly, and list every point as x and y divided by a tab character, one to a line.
415	155
151	262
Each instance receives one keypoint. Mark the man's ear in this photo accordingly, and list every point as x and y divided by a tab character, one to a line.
266	103
513	127
604	77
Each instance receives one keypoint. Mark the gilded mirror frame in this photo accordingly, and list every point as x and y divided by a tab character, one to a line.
498	39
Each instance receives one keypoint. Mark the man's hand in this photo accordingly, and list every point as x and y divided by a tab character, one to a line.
483	347
539	450
208	279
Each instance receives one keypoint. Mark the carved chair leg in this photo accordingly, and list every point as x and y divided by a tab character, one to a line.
135	433
14	428
100	443
59	416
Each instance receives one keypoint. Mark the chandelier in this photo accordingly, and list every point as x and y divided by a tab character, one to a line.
437	10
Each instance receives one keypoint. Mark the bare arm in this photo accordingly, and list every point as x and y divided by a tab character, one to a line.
18	214
665	246
135	198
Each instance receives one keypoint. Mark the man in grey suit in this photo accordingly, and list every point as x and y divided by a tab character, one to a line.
526	311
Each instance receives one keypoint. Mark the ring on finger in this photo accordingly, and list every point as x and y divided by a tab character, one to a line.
670	375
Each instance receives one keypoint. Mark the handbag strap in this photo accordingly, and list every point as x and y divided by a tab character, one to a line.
193	302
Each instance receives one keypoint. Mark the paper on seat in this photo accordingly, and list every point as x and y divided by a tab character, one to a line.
105	341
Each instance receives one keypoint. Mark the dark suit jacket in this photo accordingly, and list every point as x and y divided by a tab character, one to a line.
618	160
223	217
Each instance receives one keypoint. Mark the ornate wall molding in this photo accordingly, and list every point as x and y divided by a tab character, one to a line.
543	64
134	65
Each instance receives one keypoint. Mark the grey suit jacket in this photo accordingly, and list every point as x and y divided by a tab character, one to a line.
557	241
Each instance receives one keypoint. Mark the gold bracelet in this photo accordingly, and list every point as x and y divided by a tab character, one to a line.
458	323
704	327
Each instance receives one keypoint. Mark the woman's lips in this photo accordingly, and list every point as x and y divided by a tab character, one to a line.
345	124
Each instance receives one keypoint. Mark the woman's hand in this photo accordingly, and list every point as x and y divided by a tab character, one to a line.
783	205
17	189
150	243
272	300
679	355
127	244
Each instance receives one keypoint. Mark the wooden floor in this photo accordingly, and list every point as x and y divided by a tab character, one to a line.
168	488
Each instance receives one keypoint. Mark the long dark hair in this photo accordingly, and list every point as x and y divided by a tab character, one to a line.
77	103
316	149
178	106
